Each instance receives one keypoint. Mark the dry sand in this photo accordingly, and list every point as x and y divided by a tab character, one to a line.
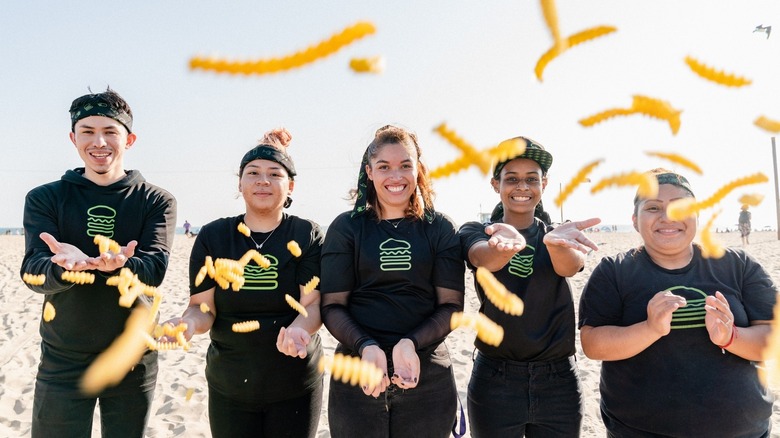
173	416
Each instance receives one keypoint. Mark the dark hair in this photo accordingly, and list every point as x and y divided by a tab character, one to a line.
110	98
394	135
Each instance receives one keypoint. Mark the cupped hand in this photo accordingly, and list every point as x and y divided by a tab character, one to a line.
292	341
109	261
660	310
719	319
406	364
376	356
66	256
504	237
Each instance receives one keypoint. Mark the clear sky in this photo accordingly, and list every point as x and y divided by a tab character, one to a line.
467	63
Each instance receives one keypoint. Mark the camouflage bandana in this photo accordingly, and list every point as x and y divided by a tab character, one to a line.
673	179
99	107
362	187
266	152
533	151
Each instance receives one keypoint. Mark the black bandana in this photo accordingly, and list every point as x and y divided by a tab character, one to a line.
266	152
97	106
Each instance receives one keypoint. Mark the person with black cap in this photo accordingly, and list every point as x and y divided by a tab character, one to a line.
264	383
679	335
528	385
392	277
61	221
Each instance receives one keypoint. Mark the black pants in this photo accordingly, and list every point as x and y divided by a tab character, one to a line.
66	414
297	417
425	411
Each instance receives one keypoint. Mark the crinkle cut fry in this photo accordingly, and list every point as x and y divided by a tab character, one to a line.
288	62
576	39
352	370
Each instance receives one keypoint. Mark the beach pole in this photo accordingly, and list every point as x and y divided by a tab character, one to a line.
560	190
777	193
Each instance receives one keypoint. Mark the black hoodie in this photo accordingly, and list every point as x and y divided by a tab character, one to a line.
88	317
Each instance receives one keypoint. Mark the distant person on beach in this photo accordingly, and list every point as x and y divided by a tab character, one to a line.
679	335
61	220
744	224
528	385
264	383
187	228
392	277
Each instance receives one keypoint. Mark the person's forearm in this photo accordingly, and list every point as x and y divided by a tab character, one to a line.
492	259
311	323
611	342
749	342
566	261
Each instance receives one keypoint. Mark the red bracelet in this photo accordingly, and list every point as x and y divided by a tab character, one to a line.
734	335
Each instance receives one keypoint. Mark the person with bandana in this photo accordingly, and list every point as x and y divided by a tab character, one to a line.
61	220
263	383
392	277
527	385
679	334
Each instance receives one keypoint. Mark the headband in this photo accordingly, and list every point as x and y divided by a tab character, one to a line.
97	106
271	153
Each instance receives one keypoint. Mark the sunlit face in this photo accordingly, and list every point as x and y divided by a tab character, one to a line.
520	186
660	234
265	185
393	172
101	143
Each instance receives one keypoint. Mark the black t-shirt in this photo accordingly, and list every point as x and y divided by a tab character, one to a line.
545	330
391	273
89	317
247	366
682	385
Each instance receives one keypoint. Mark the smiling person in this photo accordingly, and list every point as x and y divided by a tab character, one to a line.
61	220
391	278
679	335
528	385
263	383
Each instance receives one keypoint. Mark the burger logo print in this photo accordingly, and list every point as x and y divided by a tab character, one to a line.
692	315
257	278
522	263
100	220
395	255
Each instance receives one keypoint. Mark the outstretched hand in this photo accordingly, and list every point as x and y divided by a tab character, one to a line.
570	235
504	237
71	258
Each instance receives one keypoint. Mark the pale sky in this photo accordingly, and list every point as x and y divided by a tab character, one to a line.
467	63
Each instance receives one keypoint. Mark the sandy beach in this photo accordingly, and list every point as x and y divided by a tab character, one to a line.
174	416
